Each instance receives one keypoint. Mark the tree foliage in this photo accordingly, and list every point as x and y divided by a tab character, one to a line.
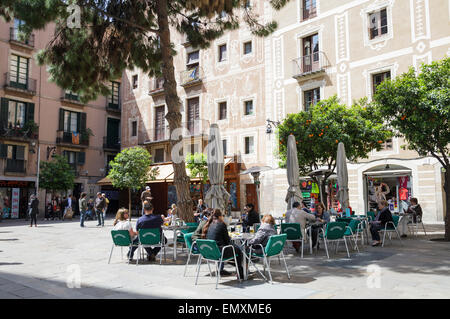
319	130
56	175
198	166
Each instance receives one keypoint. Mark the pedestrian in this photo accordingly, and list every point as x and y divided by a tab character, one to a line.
146	196
90	210
99	205
106	205
82	203
33	210
68	208
48	211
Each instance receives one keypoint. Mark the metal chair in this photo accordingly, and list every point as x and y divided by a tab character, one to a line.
121	238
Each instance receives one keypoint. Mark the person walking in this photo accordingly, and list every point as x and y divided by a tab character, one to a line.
146	196
33	210
82	203
99	205
106	205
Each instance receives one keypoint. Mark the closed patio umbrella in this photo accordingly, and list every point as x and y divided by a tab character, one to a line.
216	196
293	193
342	176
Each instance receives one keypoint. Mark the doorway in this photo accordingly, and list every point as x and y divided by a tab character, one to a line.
251	195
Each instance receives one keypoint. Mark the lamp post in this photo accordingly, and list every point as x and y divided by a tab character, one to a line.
271	124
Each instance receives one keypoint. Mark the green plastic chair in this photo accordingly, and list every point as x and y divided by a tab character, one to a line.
335	232
151	237
121	238
391	227
346	220
352	232
273	248
193	250
371	216
210	252
293	232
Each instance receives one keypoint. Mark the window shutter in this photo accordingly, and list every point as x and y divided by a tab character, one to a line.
29	115
20	152
4	113
81	158
3	150
82	122
61	120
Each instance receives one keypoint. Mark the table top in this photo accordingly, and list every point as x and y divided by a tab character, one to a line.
173	227
238	236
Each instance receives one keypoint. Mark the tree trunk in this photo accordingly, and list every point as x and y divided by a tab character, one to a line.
447	203
173	116
129	203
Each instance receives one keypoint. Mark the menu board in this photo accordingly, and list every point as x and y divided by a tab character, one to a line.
15	202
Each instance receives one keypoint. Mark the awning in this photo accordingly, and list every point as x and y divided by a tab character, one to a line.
165	174
388	173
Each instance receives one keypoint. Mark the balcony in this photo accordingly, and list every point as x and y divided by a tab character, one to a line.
71	98
189	129
112	144
310	65
15	166
70	139
16	37
113	106
191	77
20	84
157	87
309	13
29	131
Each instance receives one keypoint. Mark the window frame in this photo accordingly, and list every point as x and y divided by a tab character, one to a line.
133	128
251	150
222	55
306	106
135	81
220	105
383	73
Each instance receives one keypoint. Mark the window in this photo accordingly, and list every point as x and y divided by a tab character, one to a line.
134	128
193	115
159	155
248	107
71	157
71	121
16	114
224	146
19	71
114	97
387	145
70	95
222	110
378	78
222	52
193	59
309	9
248	47
135	81
310	98
193	148
378	24
249	146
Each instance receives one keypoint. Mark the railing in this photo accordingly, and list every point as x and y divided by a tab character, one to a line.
316	62
18	132
160	134
112	106
21	83
15	166
17	36
308	13
71	138
191	76
156	87
111	143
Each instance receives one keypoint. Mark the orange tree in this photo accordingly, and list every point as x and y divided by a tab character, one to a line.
319	130
418	107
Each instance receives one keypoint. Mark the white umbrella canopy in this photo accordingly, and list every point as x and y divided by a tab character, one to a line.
216	196
342	176
294	193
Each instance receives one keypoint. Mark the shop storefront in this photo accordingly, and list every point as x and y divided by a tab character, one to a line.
14	197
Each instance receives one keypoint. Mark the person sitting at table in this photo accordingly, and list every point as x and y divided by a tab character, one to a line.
216	230
122	223
149	221
384	216
198	232
250	217
299	216
266	230
323	217
199	210
413	213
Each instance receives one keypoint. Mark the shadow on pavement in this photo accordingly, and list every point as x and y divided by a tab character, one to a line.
8	264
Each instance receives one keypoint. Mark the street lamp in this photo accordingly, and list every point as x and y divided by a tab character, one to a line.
271	124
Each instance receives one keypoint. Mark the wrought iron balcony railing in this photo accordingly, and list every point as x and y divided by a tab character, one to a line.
310	64
16	36
20	83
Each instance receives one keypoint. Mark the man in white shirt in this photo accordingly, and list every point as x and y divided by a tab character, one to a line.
300	216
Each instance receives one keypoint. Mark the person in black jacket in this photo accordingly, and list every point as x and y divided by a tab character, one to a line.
251	217
216	230
33	210
384	216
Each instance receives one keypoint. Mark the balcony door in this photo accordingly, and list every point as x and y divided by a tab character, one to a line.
311	53
19	72
193	115
112	134
159	123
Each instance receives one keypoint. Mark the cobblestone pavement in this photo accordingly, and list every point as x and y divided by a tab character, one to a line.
58	259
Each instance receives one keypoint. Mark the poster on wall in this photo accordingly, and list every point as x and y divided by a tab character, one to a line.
15	202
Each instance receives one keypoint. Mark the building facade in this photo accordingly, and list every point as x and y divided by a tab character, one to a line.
39	119
320	49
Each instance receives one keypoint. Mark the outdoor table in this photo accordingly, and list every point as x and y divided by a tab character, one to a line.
175	229
242	237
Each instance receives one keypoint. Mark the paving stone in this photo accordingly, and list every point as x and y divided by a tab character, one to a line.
28	293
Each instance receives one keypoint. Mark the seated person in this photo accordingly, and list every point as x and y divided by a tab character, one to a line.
199	210
216	230
198	232
250	217
266	230
414	213
122	223
300	216
383	216
323	217
149	221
